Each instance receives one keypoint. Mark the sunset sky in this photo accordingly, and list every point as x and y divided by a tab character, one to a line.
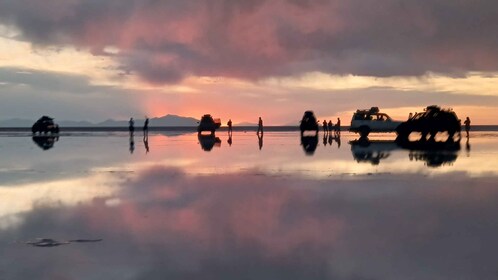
240	59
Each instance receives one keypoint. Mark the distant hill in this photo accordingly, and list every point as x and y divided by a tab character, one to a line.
168	120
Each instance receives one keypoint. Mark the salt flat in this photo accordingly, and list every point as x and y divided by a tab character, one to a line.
178	206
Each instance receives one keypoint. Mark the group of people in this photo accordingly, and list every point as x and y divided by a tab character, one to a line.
131	128
260	126
329	127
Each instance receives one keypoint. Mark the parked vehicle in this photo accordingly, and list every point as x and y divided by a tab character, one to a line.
371	120
208	123
309	122
45	125
434	119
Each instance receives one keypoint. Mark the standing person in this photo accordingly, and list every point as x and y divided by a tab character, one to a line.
338	126
467	125
324	126
146	127
229	123
410	115
260	126
131	126
330	126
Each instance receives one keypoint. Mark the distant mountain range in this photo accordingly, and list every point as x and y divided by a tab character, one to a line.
168	120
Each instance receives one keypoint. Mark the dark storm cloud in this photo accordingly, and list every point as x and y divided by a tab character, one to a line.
169	225
164	41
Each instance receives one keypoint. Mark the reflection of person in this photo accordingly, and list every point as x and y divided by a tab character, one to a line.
260	140
260	126
467	147
338	141
324	139
132	142
467	126
229	141
131	124
229	124
146	144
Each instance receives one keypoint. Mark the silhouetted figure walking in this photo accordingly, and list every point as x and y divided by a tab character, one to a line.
131	126
467	126
229	124
260	126
330	126
338	126
325	126
146	127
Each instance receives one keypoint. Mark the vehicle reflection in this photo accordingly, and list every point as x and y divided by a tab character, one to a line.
433	153
309	143
45	142
208	141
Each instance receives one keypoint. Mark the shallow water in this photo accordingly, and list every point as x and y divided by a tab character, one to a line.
191	208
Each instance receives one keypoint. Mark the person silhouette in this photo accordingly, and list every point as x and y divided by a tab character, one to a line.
131	126
330	126
467	126
229	124
338	126
146	126
325	126
260	126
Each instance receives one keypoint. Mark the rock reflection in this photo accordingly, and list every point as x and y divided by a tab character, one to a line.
45	142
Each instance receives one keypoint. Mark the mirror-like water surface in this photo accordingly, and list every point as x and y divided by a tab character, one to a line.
278	207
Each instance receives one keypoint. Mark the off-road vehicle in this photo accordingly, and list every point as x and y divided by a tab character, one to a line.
309	122
371	120
432	120
208	123
45	125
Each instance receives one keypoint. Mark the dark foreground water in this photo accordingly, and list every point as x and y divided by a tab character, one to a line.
181	207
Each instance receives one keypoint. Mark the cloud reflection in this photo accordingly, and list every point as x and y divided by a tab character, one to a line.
169	224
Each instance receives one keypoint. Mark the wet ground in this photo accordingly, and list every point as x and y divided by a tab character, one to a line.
179	206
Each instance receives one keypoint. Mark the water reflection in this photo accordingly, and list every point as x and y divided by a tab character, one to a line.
433	153
45	142
132	142
260	140
208	141
163	224
309	143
